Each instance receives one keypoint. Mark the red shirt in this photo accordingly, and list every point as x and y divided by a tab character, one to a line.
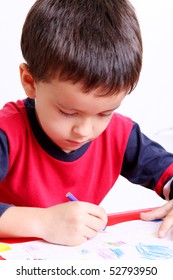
35	178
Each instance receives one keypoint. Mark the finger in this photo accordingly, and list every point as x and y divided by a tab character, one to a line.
166	225
98	212
89	233
95	223
158	213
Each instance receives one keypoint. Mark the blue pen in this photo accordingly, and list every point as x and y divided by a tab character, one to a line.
71	197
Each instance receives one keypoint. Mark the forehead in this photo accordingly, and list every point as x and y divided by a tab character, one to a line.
72	96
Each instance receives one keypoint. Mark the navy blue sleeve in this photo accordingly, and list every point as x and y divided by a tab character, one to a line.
4	207
144	160
3	155
3	165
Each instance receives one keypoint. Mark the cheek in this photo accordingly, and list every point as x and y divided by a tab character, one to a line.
57	126
101	126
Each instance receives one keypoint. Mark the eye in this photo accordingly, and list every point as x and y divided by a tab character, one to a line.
67	114
107	115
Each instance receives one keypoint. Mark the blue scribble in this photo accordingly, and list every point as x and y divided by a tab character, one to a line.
118	252
84	251
154	252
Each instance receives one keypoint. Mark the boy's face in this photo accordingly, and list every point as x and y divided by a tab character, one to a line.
70	117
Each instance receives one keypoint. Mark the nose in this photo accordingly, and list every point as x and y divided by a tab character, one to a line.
83	128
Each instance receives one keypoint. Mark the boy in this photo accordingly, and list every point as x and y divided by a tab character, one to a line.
82	59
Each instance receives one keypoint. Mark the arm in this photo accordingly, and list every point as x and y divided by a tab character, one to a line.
144	163
69	223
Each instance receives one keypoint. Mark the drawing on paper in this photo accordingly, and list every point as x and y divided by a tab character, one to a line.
4	247
128	240
154	252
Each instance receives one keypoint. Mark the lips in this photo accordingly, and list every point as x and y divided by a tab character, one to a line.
76	142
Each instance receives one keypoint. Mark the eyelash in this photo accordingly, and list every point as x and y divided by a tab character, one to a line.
106	116
67	115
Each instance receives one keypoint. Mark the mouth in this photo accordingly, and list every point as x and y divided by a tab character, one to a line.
76	143
72	145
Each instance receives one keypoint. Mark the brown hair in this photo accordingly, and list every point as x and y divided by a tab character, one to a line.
96	42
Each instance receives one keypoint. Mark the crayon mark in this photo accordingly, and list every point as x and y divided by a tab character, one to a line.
119	253
4	247
116	244
154	252
84	251
109	254
105	254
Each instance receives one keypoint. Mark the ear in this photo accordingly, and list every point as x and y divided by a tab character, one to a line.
27	81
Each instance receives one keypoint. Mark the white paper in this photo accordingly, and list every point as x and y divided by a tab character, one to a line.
129	240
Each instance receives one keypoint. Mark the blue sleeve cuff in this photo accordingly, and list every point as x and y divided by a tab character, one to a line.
4	207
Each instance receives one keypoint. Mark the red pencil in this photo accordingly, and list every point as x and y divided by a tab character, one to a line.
125	216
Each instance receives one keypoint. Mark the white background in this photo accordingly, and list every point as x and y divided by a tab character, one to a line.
150	104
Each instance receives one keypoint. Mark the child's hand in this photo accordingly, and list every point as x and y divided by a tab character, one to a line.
72	223
164	212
